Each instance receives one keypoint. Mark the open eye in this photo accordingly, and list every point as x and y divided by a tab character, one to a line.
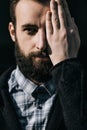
31	29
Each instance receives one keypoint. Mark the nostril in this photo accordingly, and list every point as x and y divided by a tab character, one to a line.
41	45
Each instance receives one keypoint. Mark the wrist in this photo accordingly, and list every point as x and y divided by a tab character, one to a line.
57	59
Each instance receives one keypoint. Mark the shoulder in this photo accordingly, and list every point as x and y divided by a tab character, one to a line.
5	76
67	69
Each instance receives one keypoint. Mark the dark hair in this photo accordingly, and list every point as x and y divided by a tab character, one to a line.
13	4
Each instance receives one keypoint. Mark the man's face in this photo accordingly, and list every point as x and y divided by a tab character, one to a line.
30	39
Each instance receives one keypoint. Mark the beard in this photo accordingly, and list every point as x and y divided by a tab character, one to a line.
38	71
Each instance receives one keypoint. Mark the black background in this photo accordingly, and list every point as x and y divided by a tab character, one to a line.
78	9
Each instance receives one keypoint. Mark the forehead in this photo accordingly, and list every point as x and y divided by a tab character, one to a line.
30	10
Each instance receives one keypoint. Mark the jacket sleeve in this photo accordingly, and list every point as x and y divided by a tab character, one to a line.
3	125
72	90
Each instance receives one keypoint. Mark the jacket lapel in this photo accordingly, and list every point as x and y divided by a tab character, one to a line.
9	113
56	121
6	106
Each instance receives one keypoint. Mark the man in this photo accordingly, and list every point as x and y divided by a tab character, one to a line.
45	90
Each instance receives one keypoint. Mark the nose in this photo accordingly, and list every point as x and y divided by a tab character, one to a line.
41	41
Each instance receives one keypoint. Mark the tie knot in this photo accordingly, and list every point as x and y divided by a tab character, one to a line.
39	91
41	94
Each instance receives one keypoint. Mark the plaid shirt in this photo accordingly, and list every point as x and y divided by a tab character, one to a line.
32	108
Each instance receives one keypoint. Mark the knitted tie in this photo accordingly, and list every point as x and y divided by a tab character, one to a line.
41	95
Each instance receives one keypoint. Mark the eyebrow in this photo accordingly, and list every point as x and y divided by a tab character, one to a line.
29	25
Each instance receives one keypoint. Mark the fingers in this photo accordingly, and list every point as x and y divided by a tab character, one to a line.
67	13
49	28
55	17
61	13
59	17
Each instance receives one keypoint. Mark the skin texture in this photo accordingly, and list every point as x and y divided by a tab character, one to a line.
62	33
49	29
31	39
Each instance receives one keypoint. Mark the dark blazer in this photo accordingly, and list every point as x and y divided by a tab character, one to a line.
69	111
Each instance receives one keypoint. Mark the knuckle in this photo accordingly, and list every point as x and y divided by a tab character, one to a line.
56	22
56	19
71	30
64	33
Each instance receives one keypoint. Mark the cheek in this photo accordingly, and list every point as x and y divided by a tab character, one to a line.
25	42
26	45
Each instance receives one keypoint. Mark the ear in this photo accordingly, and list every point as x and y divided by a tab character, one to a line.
12	31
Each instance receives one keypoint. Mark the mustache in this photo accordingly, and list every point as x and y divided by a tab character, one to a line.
39	54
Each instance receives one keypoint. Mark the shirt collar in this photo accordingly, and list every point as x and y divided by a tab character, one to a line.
18	81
